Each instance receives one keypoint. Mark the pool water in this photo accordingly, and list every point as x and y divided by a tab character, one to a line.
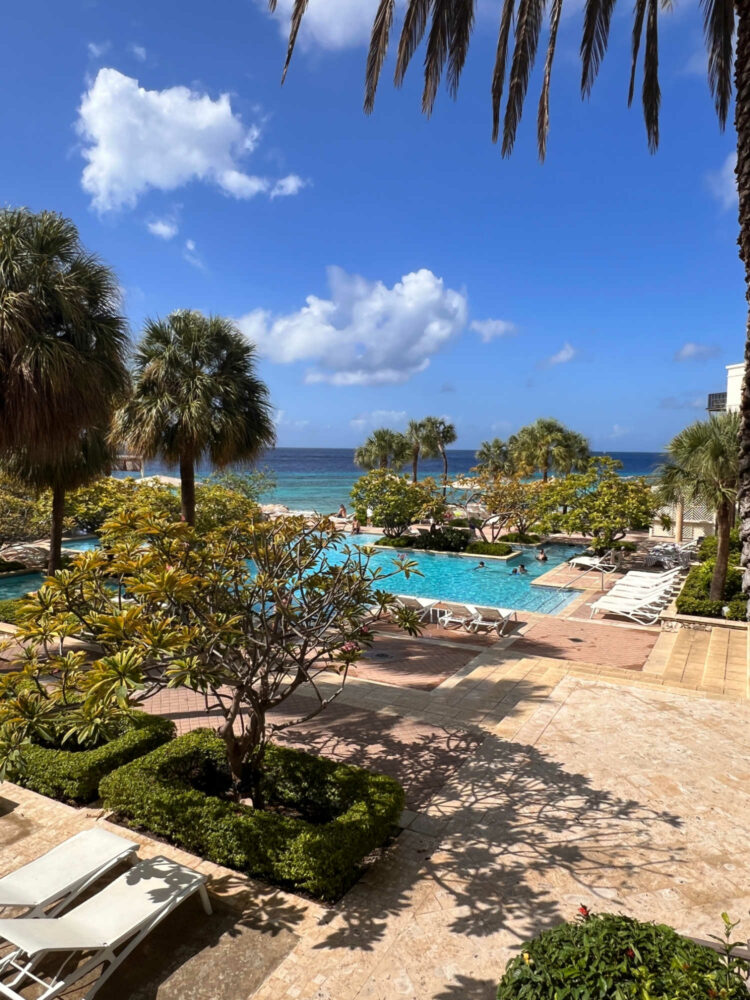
446	576
81	544
456	578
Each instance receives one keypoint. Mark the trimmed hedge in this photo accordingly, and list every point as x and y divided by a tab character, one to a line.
612	956
74	775
441	540
709	544
523	539
694	599
10	609
344	812
489	548
10	565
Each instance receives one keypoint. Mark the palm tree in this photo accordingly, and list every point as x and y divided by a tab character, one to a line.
383	449
438	434
703	467
547	446
493	456
196	393
75	465
421	443
62	340
450	26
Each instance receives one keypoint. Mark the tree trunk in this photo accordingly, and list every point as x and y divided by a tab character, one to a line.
245	756
414	464
742	124
383	461
56	529
445	470
187	489
719	577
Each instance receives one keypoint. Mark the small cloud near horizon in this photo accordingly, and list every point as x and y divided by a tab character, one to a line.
490	329
566	353
379	418
691	351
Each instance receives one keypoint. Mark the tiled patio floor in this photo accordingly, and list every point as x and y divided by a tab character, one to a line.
562	639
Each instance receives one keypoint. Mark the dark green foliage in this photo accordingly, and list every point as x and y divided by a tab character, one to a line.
694	598
340	813
10	608
74	775
709	544
524	539
624	546
611	957
466	522
10	565
737	609
448	539
399	542
489	548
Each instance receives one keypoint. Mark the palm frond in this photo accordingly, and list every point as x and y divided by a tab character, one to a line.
640	13
542	125
718	28
651	90
298	12
462	24
530	15
381	30
415	22
501	56
437	51
596	21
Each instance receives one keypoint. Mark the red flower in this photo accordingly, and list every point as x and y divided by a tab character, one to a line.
584	911
630	953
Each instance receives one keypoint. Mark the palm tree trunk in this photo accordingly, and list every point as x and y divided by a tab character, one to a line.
187	489
445	469
719	577
56	529
742	124
383	461
414	463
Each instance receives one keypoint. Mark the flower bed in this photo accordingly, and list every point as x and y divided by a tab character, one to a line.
74	775
325	817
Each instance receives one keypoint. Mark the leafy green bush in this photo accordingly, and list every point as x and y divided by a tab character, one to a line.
610	956
694	598
10	565
489	548
624	546
522	537
466	522
74	775
10	608
737	609
709	544
448	539
337	814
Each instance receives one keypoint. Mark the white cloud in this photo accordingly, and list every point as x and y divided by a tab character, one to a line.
488	329
286	186
282	419
330	24
98	49
138	51
618	431
191	256
723	182
136	140
165	229
697	352
379	418
365	333
566	353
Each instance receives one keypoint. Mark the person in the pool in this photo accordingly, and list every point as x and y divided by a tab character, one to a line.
542	557
480	565
522	571
342	511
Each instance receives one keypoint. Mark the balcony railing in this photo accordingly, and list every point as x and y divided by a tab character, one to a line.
717	402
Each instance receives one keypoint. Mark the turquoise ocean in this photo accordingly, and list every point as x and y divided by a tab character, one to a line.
320	479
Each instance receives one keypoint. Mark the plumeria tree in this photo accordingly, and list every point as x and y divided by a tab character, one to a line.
395	502
160	606
505	502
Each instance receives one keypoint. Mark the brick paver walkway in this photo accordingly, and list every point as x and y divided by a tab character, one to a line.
581	642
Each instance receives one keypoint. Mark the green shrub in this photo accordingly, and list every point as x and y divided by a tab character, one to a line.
521	537
399	542
694	598
10	565
10	609
737	609
341	813
709	543
448	539
464	522
489	548
624	546
74	775
610	956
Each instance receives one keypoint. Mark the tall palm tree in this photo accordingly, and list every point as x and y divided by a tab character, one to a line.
196	393
703	467
493	456
547	446
75	465
62	339
438	434
448	25
422	444
383	449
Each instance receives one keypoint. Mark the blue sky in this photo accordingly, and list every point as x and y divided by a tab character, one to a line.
390	266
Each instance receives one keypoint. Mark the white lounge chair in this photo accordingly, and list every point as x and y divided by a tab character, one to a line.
422	605
118	917
489	618
64	872
643	611
602	564
452	613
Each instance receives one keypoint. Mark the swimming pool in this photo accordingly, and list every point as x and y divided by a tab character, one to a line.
456	578
446	576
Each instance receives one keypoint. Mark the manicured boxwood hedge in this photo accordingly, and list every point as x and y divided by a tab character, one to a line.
448	539
694	599
74	775
10	608
342	812
611	956
523	539
489	548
